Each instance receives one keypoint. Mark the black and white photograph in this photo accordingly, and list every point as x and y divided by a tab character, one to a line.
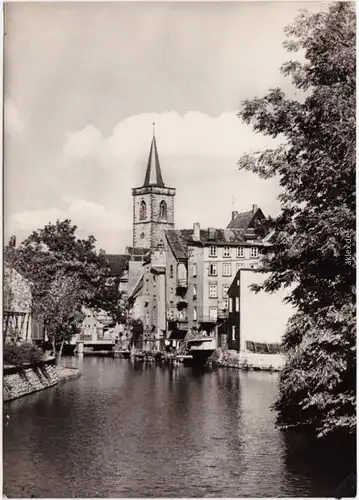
179	249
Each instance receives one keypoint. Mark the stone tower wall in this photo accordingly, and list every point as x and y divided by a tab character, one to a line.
146	233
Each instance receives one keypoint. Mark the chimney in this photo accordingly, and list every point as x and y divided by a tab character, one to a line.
234	214
255	208
196	231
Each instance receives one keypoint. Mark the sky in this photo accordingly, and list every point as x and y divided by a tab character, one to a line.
85	81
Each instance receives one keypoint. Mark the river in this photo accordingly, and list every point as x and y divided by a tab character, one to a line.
134	430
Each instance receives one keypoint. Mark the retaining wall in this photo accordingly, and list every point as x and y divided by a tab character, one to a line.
20	381
252	361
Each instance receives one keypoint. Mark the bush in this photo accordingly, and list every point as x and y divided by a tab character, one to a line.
21	354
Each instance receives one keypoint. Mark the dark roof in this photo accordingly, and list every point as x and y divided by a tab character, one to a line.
153	173
233	286
213	235
179	239
118	263
137	289
245	220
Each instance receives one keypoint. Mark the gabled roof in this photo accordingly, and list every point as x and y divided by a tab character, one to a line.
137	289
118	263
245	220
153	173
177	240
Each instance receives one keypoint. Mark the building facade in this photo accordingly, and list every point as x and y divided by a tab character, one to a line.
256	321
200	267
18	323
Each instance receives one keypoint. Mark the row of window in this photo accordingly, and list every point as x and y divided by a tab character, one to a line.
213	291
226	268
162	214
213	311
227	252
213	268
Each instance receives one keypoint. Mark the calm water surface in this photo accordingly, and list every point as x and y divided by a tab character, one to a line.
125	430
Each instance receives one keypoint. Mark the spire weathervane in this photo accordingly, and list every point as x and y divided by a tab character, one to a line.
153	126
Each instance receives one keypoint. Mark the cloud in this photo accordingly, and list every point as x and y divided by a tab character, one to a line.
13	124
82	144
193	134
198	156
89	217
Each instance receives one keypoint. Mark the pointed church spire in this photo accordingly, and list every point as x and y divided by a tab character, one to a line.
153	172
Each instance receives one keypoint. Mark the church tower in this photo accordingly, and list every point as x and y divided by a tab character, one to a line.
153	204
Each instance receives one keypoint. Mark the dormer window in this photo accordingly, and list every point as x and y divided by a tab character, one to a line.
213	251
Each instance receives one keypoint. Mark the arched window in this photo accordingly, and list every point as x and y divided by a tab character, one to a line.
163	210
142	210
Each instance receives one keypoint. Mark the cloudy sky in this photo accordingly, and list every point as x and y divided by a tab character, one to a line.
85	81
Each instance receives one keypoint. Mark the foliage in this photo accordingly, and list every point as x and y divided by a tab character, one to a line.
21	354
61	309
317	385
315	232
67	274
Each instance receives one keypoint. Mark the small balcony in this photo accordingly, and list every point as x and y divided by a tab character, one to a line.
182	304
182	282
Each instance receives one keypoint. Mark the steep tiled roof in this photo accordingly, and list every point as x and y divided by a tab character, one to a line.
153	172
179	239
137	289
118	263
222	235
245	220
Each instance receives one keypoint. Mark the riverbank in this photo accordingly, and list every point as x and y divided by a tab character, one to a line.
23	380
249	361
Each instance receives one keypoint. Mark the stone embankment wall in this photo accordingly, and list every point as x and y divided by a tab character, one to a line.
20	381
251	361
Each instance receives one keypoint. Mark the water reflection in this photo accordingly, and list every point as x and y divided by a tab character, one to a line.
135	430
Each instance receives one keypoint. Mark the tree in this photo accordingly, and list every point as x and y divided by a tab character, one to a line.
67	273
315	232
61	310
